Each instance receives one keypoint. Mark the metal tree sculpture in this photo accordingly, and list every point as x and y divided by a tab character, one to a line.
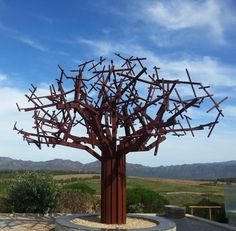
122	109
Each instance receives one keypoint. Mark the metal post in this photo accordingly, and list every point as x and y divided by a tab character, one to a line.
113	190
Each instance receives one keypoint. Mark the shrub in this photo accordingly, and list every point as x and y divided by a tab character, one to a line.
145	200
80	187
217	214
32	192
2	204
74	201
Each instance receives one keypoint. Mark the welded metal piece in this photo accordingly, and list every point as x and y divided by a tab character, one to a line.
121	109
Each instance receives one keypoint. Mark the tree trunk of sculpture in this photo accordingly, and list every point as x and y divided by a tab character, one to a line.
113	189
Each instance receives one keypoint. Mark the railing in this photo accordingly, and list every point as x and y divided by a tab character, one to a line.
209	207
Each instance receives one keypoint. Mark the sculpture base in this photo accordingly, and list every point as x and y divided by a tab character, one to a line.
65	223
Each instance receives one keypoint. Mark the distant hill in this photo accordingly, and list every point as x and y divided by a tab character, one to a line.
187	171
56	164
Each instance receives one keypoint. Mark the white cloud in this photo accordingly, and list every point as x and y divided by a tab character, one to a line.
187	150
205	69
101	48
45	18
185	14
12	95
3	77
230	111
30	42
23	38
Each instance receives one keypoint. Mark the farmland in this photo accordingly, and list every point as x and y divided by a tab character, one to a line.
178	192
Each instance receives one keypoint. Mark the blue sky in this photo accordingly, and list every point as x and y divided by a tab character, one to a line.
36	36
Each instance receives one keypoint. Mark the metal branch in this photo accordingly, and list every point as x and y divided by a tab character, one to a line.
106	99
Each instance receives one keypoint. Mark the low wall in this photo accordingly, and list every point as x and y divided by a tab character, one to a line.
64	223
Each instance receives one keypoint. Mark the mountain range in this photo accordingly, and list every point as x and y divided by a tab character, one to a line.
217	170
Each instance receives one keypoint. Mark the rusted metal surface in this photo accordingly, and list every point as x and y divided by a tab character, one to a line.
123	109
113	198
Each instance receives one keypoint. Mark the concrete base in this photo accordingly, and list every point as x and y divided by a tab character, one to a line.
64	223
176	212
232	218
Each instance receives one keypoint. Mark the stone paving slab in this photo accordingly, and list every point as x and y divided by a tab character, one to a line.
34	222
21	222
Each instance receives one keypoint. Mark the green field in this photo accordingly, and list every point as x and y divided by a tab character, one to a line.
178	192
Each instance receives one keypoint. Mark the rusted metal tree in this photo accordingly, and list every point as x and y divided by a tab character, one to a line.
122	109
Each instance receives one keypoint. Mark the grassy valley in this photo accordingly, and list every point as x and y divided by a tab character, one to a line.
177	192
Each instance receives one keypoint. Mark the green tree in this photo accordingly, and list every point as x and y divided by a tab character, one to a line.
32	192
145	200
